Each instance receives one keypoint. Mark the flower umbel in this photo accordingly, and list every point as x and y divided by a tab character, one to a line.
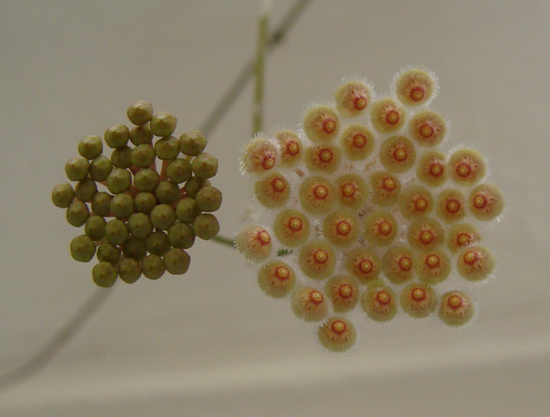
362	210
156	213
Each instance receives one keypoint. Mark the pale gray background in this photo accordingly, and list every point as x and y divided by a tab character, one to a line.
209	343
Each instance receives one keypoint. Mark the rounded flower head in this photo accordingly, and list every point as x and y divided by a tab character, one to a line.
139	216
368	213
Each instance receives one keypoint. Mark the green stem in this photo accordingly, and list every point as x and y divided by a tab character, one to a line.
224	240
258	112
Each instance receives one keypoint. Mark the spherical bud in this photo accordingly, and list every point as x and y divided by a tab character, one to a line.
343	292
309	304
466	167
101	204
475	263
317	259
104	274
122	206
254	243
427	128
142	134
163	216
135	249
209	199
337	334
140	225
143	156
352	98
291	227
167	148
122	157
77	213
163	123
386	188
206	226
157	243
95	227
418	300
90	147
181	235
146	179
485	202
276	279
290	146
321	124
380	228
398	264
144	202
77	168
107	252
456	308
363	264
357	142
397	154
193	186
82	248
179	170
379	302
116	232
62	195
117	136
153	266
192	143
205	165
129	270
187	210
119	181
387	116
177	261
272	190
140	112
100	168
167	192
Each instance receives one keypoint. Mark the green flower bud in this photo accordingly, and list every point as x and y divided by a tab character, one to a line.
163	216
157	243
146	179
119	181
153	266
143	155
76	168
192	143
206	226
82	248
141	134
86	189
100	168
193	186
145	202
167	192
129	270
205	165
167	148
62	195
107	252
187	210
116	232
163	124
140	112
77	213
104	274
135	249
90	147
101	204
177	261
181	235
122	157
122	206
140	225
117	136
95	227
179	170
209	198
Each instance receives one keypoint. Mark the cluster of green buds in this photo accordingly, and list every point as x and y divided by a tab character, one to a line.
362	209
155	214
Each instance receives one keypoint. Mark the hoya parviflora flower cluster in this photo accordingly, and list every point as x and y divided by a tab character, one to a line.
365	213
155	213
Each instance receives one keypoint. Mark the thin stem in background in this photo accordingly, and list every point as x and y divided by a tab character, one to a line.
258	111
92	305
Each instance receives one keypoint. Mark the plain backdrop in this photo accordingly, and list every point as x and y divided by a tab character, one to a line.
209	343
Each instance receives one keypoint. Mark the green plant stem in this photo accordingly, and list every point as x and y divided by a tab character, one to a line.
258	111
224	240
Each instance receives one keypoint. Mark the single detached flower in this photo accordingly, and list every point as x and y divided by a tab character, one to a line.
361	210
140	219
